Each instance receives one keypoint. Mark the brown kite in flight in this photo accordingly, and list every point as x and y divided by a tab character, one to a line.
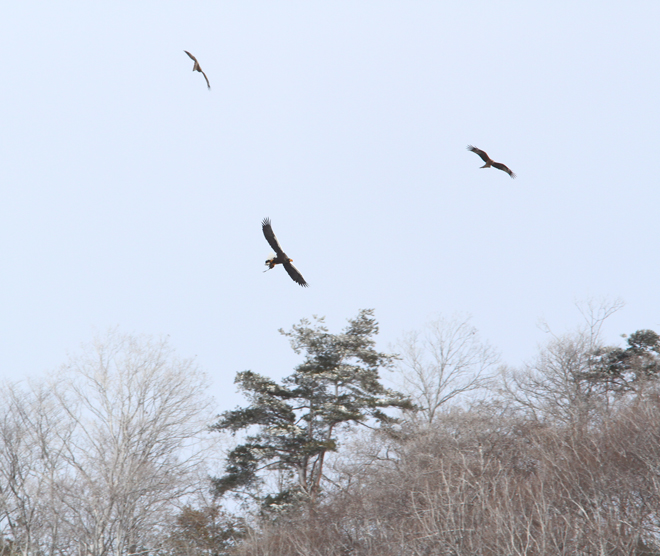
280	256
490	162
198	68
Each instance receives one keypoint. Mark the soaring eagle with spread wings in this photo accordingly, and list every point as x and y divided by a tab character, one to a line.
198	68
489	161
280	256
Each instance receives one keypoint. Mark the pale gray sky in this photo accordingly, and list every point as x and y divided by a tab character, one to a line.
133	197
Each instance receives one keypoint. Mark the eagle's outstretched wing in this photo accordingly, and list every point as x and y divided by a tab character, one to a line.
191	56
272	240
295	274
481	153
207	79
504	168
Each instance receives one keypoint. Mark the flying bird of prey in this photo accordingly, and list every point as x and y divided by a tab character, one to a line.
280	256
489	161
198	68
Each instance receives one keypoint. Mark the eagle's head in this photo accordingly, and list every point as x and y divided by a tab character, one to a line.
270	261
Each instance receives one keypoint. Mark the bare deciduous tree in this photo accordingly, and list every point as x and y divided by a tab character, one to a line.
96	461
33	432
554	385
443	362
138	411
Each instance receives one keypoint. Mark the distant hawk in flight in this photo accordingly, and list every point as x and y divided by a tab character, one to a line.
198	68
489	162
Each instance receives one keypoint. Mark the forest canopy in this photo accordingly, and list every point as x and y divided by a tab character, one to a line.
114	453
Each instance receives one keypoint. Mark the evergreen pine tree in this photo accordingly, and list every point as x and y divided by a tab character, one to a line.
294	425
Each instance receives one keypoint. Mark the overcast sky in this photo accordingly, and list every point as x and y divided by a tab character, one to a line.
133	196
